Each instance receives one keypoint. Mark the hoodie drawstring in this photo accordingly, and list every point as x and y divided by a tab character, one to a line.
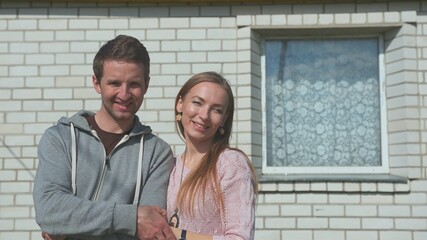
73	158
139	174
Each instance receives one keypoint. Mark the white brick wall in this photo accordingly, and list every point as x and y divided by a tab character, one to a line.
46	52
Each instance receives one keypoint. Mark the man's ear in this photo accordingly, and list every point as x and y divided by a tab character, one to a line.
147	84
96	84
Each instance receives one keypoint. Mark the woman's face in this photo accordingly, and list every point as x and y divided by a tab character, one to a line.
203	111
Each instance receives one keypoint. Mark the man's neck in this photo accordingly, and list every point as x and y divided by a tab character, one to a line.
108	124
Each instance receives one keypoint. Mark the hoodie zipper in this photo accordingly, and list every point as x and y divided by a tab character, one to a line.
105	166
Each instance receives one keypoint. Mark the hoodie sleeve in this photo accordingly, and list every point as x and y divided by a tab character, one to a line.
157	168
58	211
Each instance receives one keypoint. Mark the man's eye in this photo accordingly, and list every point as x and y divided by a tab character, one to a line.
136	85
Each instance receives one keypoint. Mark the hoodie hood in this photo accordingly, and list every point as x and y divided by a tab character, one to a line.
80	122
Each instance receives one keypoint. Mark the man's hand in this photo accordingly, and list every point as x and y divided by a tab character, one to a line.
47	236
152	224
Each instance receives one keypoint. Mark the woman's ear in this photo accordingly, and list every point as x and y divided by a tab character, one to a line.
179	105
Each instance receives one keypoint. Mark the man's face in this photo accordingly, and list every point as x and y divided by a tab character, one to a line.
122	90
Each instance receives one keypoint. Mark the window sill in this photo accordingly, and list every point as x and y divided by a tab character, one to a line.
381	183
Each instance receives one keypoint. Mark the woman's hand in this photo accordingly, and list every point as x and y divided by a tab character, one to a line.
47	236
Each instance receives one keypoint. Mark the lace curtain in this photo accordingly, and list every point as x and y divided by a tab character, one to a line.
323	106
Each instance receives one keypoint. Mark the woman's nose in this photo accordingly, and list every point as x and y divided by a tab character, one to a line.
204	113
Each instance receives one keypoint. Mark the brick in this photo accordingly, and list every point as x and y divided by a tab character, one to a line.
113	23
365	235
310	19
280	198
222	34
14	212
344	223
411	224
184	11
214	11
174	23
328	210
377	223
36	105
343	18
10	106
26	224
295	19
394	211
296	210
372	7
267	234
20	140
5	94
344	198
14	235
394	235
280	223
53	24
370	199
22	24
419	211
99	35
326	19
419	186
327	235
206	22
57	93
206	45
312	223
295	234
358	18
7	175
420	235
360	210
375	17
83	47
5	224
267	210
176	69
191	34
71	105
174	46
262	20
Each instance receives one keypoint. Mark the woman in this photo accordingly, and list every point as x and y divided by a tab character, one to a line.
212	189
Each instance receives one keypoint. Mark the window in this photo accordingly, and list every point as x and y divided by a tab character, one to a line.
323	105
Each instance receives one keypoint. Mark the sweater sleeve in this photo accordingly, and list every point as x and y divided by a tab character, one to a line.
236	178
58	211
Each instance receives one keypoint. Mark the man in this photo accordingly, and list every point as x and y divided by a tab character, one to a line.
104	175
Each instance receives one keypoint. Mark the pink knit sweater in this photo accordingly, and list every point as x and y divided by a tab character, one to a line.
237	221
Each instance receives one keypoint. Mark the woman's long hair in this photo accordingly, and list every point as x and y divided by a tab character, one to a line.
204	177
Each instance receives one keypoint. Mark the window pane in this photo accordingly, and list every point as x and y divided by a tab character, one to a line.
322	102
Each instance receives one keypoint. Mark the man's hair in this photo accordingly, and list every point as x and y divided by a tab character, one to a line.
122	48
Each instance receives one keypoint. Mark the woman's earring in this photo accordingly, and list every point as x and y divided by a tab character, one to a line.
178	117
221	131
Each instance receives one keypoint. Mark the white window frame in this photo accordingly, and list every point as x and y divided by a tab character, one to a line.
384	168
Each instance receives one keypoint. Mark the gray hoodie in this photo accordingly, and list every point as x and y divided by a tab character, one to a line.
101	205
